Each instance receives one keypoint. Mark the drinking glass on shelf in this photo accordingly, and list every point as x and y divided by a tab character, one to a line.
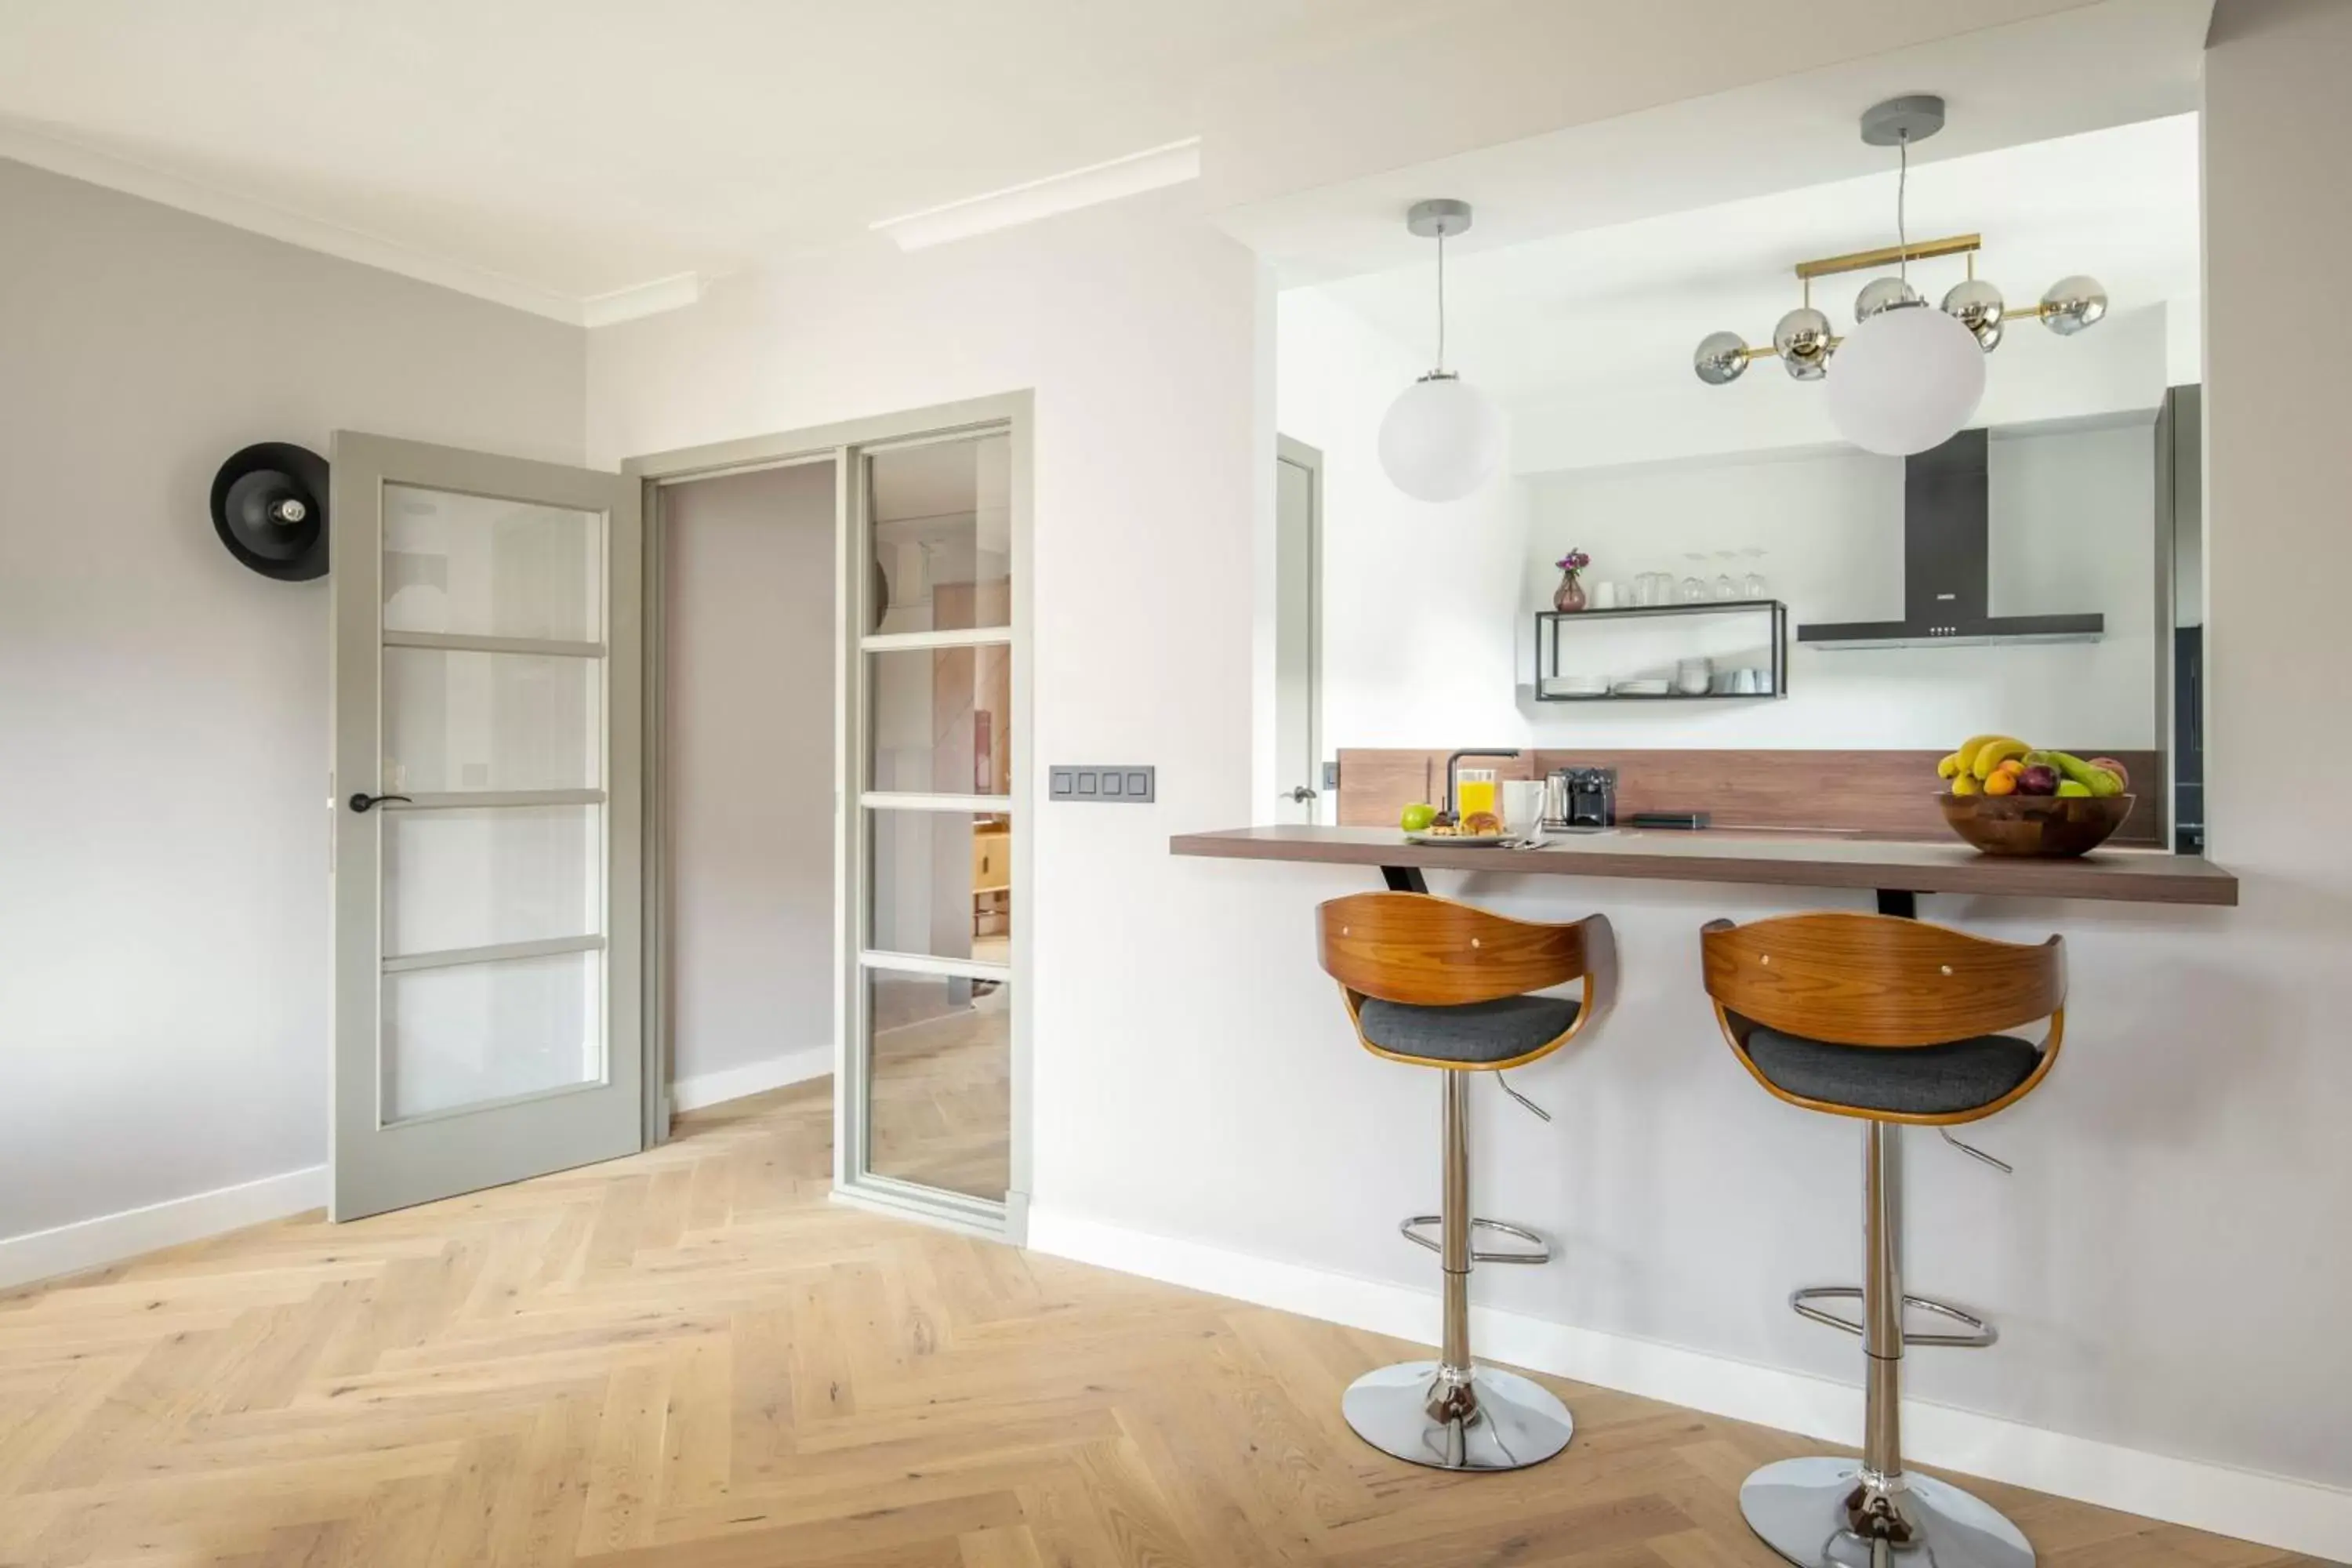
1725	588
1755	587
1694	589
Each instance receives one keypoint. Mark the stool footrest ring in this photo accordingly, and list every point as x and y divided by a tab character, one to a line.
1981	1331
1541	1253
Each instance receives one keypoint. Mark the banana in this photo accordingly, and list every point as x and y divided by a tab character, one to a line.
1971	746
1992	754
1950	766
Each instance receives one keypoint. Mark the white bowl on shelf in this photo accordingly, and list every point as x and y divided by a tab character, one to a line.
1576	685
1641	688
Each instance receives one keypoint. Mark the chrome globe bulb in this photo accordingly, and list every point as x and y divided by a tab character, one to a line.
1721	358
1977	306
1802	340
2073	303
1883	294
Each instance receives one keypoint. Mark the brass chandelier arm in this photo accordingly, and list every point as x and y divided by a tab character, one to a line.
1890	256
2032	312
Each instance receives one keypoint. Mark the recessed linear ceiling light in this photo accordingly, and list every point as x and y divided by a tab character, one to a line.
1026	202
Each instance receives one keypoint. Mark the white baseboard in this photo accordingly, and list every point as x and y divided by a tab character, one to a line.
111	1237
2296	1516
752	1078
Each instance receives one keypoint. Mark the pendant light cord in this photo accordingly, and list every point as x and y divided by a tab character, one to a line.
1441	301
1902	194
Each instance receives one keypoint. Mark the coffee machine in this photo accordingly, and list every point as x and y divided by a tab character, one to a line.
1581	800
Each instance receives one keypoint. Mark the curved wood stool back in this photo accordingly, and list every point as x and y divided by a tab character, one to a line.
1422	950
1854	979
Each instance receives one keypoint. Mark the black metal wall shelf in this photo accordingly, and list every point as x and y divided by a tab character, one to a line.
1549	622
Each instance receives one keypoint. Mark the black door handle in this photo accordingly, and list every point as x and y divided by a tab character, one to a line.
363	801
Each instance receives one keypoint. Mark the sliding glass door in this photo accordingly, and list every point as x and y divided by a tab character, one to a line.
932	905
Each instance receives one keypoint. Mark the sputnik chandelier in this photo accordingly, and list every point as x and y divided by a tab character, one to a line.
1907	377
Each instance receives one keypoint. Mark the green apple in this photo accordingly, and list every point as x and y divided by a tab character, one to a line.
1418	816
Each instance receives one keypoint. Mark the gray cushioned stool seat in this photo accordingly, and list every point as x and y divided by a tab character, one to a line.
1472	1034
1919	1080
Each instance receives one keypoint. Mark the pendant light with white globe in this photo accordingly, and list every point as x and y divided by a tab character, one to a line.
1909	377
1442	438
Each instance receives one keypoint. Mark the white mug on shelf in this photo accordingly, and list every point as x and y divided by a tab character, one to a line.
1604	595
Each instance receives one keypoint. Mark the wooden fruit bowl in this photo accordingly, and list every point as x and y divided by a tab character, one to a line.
2045	825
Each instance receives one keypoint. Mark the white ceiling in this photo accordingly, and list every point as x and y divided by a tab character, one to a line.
2008	79
548	152
592	159
1619	308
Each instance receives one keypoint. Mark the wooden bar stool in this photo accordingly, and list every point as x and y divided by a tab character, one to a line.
1443	985
1891	1021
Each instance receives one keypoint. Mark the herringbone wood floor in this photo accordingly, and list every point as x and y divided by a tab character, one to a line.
691	1358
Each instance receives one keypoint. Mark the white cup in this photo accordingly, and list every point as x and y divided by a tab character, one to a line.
1604	595
1522	803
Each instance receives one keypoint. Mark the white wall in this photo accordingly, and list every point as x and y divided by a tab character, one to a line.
748	691
2071	525
1139	329
2277	552
1418	599
163	711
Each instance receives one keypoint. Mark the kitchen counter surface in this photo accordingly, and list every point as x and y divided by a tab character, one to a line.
1724	855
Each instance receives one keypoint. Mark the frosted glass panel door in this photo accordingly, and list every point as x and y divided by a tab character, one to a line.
486	809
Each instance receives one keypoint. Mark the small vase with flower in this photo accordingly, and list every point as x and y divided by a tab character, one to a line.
1570	595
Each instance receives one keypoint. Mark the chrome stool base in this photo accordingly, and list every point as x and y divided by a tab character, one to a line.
1799	1508
1507	1423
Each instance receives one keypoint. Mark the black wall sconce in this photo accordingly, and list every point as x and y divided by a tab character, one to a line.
270	507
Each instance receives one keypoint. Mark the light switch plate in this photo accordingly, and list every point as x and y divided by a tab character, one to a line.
1106	783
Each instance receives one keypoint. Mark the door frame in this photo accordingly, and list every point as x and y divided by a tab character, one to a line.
842	444
1300	454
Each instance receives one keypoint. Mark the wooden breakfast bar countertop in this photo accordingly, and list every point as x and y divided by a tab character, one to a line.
1896	867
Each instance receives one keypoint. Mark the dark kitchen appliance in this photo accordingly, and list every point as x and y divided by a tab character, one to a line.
1581	799
1945	544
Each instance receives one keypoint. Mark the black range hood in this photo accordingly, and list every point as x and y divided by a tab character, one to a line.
1945	552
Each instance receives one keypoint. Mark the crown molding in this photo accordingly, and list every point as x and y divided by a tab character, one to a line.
1133	174
672	293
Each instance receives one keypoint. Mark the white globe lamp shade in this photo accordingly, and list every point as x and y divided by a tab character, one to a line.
1442	438
1905	380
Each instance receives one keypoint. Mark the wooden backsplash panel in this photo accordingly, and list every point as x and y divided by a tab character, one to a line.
1889	793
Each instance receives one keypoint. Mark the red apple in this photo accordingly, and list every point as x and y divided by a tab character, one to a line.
2039	779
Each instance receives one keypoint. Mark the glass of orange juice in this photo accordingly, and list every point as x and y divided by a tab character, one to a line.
1473	792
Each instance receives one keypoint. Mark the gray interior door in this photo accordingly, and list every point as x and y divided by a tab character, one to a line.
486	800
